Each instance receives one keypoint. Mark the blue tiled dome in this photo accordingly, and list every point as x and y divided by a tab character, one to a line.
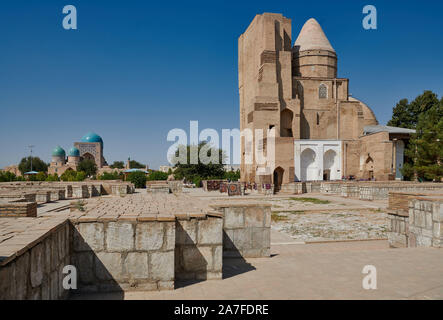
92	137
58	152
74	152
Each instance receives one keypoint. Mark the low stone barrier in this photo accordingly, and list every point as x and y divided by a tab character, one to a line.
157	187
80	191
57	194
415	220
42	196
124	255
363	190
426	222
331	188
37	271
246	230
266	189
18	209
116	245
175	186
199	247
398	230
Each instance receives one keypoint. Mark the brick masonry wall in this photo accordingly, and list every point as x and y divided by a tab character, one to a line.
18	209
124	255
246	230
199	248
38	272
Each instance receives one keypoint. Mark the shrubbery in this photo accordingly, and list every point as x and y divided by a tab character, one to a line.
53	177
71	175
157	175
88	167
6	176
232	175
138	178
110	176
37	165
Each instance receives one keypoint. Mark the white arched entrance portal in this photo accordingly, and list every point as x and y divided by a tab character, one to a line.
316	160
330	166
308	165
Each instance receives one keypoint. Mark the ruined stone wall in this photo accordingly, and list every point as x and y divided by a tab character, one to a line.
124	255
246	230
426	222
363	190
398	230
18	209
198	247
37	271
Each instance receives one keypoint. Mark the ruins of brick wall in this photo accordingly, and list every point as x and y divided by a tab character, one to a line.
426	222
415	220
175	186
246	230
363	190
36	272
161	186
199	247
18	209
127	252
124	255
398	230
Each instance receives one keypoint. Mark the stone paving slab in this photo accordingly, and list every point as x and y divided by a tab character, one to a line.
318	271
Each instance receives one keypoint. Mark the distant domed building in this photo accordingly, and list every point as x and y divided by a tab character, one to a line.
90	147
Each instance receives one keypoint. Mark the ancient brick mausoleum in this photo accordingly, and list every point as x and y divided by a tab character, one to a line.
321	132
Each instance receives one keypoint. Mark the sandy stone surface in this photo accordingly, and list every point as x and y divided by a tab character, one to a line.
317	217
341	225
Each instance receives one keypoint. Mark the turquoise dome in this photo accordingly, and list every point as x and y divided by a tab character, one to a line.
92	137
74	152
58	152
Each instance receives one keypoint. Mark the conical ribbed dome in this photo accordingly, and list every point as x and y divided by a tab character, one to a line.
312	37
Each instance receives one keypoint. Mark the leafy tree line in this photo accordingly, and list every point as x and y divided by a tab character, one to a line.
424	151
202	171
38	165
132	165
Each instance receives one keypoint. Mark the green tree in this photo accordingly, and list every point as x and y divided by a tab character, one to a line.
157	175
406	115
37	165
232	175
138	178
110	176
6	176
136	165
88	166
80	176
118	165
41	176
53	177
68	175
425	148
71	175
199	171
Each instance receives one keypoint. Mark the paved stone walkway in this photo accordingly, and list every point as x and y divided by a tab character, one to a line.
317	271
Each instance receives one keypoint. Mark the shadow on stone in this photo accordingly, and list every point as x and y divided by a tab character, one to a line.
96	271
233	262
190	265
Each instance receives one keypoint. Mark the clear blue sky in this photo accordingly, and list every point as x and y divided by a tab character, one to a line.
136	69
